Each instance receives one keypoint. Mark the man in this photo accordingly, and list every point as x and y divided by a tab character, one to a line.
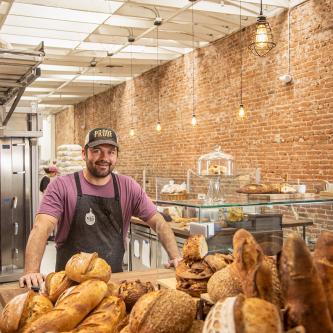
91	210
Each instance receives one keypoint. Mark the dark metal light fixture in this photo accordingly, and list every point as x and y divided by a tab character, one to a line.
262	39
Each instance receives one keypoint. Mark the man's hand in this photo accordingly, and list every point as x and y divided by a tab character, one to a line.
31	280
173	262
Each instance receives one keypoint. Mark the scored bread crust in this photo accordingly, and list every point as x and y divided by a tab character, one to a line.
11	314
224	283
104	318
323	260
84	266
302	288
195	248
56	283
71	309
261	316
163	311
131	291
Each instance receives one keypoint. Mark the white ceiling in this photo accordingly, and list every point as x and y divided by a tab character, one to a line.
76	32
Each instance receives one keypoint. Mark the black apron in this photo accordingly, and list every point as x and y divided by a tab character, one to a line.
97	226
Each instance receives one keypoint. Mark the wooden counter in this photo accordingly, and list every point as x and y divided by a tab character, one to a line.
10	290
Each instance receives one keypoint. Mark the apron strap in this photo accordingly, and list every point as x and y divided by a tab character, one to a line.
78	184
115	186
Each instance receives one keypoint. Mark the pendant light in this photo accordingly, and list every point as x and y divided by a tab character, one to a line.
158	22
194	118
241	112
131	39
262	39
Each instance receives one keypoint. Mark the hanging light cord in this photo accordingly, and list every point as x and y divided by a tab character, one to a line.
132	83
158	78
261	13
241	52
193	107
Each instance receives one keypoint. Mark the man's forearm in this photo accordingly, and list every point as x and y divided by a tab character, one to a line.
34	251
167	238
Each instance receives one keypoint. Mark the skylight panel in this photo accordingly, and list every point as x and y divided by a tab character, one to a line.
26	40
59	68
123	21
34	32
56	13
92	78
98	46
34	22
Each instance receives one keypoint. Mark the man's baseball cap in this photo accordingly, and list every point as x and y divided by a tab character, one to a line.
100	136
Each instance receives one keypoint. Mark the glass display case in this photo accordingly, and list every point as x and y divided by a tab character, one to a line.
268	220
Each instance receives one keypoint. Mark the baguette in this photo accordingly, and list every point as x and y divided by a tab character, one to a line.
323	260
71	309
105	318
84	266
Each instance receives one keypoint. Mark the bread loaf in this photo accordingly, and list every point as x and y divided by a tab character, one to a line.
323	260
240	315
224	283
105	318
217	261
302	288
23	310
163	311
195	248
71	309
56	284
131	291
84	266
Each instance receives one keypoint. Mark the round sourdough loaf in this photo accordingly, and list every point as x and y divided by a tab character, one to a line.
224	283
243	315
163	311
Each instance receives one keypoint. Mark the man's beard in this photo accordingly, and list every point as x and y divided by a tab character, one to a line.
99	173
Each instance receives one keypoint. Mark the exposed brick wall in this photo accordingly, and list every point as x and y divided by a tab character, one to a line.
64	127
288	130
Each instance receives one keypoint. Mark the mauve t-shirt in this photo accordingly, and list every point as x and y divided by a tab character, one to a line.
60	199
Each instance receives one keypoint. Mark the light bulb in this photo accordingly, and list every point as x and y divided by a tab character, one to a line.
241	112
261	36
131	132
158	127
194	120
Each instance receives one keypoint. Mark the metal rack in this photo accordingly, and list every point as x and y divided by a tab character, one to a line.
18	157
18	69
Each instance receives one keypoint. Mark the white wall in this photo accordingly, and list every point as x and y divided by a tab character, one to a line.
47	141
